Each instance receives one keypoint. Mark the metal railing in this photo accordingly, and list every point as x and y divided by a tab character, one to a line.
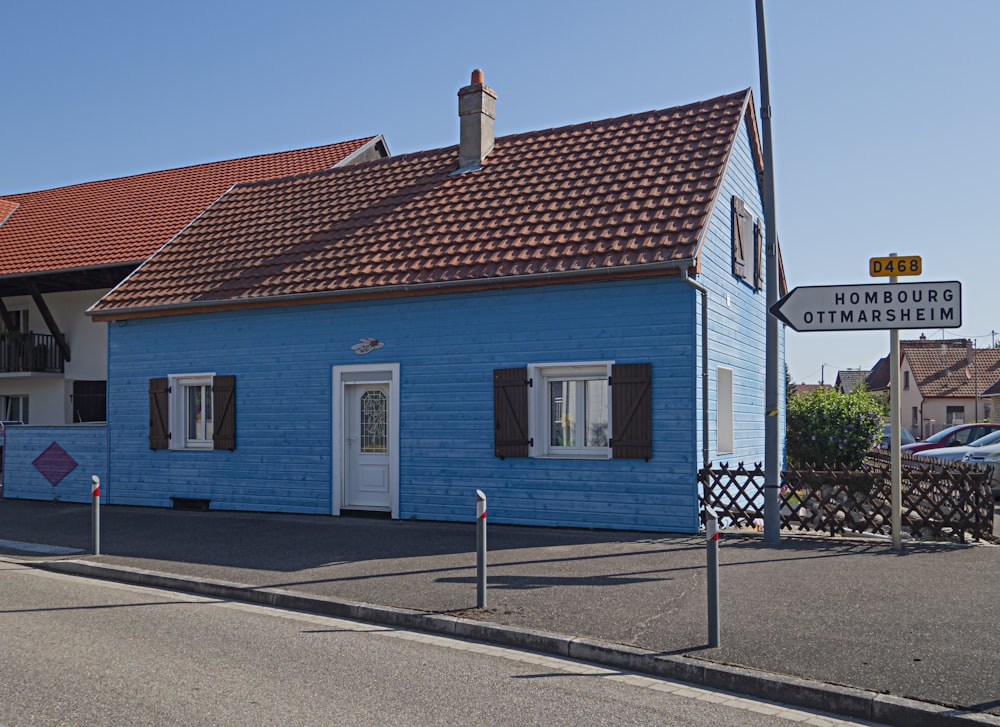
30	352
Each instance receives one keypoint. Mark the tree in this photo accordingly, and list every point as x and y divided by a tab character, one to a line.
789	385
828	429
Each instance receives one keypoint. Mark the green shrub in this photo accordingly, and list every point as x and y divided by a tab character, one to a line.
828	429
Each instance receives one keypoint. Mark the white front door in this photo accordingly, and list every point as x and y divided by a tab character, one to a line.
367	446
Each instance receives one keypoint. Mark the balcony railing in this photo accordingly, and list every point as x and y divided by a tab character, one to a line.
30	352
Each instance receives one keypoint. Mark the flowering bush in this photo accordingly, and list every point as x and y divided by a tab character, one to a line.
828	429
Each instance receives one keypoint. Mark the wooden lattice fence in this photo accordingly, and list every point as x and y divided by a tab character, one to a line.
939	501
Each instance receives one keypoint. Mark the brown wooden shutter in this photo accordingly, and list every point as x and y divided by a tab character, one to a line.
739	242
758	246
159	429
510	413
224	411
631	411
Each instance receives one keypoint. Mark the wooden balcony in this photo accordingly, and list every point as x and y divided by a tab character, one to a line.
30	353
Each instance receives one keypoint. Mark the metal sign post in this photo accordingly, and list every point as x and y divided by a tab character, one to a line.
887	306
895	438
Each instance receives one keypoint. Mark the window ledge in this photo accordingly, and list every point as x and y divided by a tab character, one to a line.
572	456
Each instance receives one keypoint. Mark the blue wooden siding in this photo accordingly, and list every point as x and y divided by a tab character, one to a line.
85	444
737	319
447	347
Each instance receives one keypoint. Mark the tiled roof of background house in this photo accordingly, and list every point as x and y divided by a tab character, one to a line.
878	379
941	368
849	379
620	193
127	219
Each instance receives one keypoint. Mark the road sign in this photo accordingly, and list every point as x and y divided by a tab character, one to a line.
872	307
879	267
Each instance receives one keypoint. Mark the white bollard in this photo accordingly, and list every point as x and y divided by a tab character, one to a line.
480	549
712	545
95	525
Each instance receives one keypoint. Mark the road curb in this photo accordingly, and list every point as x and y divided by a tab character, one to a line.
832	698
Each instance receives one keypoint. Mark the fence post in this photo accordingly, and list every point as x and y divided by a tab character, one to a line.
712	546
480	549
95	528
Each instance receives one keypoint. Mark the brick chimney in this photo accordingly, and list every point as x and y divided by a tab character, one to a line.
477	105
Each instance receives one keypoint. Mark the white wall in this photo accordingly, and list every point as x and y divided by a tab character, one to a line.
48	394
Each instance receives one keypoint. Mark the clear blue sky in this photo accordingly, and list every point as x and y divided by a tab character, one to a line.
885	111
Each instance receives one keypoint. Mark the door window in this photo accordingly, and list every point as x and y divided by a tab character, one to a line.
373	421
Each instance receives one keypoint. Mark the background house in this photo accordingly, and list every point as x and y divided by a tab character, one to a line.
62	249
570	319
944	383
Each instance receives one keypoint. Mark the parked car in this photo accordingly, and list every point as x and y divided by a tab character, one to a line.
954	454
988	455
904	437
956	436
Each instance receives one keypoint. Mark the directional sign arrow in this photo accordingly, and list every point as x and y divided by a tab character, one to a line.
872	307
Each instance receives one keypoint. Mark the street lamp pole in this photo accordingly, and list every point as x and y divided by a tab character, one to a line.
772	455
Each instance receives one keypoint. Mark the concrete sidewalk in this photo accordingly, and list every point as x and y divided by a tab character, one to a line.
846	626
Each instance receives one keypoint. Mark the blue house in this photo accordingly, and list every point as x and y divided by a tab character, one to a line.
521	315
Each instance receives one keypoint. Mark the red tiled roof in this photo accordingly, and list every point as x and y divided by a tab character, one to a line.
941	368
128	219
614	194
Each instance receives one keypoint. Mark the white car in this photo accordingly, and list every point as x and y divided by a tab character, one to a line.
988	456
954	454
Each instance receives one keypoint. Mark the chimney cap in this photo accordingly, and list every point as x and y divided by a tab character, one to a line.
477	76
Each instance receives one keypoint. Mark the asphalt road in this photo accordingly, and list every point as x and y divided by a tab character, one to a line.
78	651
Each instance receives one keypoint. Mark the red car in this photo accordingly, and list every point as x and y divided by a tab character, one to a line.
956	436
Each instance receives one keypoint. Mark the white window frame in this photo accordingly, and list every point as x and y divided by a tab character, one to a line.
22	400
538	407
177	407
725	430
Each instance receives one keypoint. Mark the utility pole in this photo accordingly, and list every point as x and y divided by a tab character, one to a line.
772	454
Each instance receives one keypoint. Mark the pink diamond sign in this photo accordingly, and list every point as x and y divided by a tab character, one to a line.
54	464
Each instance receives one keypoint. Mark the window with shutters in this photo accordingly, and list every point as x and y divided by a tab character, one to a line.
192	412
579	410
748	245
